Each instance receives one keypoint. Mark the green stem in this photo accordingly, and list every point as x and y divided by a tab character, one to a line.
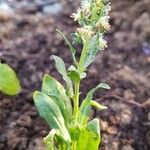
74	145
76	98
83	55
76	107
73	51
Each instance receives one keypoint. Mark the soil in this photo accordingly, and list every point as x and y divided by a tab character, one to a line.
27	42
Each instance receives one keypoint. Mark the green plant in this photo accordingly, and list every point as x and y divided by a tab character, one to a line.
59	106
9	83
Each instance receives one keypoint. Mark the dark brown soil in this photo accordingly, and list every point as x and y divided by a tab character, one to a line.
27	43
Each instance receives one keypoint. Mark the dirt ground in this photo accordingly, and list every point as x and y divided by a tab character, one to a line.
27	42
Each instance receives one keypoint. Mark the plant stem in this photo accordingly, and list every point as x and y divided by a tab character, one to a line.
76	98
74	145
76	106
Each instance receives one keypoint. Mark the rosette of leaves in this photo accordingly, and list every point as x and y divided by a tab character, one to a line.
9	83
71	127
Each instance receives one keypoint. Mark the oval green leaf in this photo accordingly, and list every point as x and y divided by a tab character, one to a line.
56	91
49	111
9	83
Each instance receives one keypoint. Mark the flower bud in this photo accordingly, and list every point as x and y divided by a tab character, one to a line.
93	20
98	2
85	32
102	43
77	15
103	24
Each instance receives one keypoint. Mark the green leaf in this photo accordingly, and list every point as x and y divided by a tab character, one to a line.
49	140
56	91
54	139
9	83
90	136
74	74
72	49
97	105
74	132
63	109
104	86
90	49
76	39
85	107
101	85
84	112
49	111
60	65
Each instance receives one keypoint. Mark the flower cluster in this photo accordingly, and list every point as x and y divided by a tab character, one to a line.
93	19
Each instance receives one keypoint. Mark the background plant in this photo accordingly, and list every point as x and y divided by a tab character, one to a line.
9	83
59	106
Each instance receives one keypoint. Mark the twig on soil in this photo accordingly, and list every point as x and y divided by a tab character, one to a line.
25	56
144	105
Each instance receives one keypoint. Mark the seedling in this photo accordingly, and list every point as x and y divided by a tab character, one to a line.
58	105
9	83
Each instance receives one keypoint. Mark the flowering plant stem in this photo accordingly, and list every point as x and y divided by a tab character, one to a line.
70	121
76	98
76	107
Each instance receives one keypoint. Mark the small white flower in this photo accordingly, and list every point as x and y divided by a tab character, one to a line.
91	21
76	15
98	2
86	4
108	8
102	43
85	32
103	23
